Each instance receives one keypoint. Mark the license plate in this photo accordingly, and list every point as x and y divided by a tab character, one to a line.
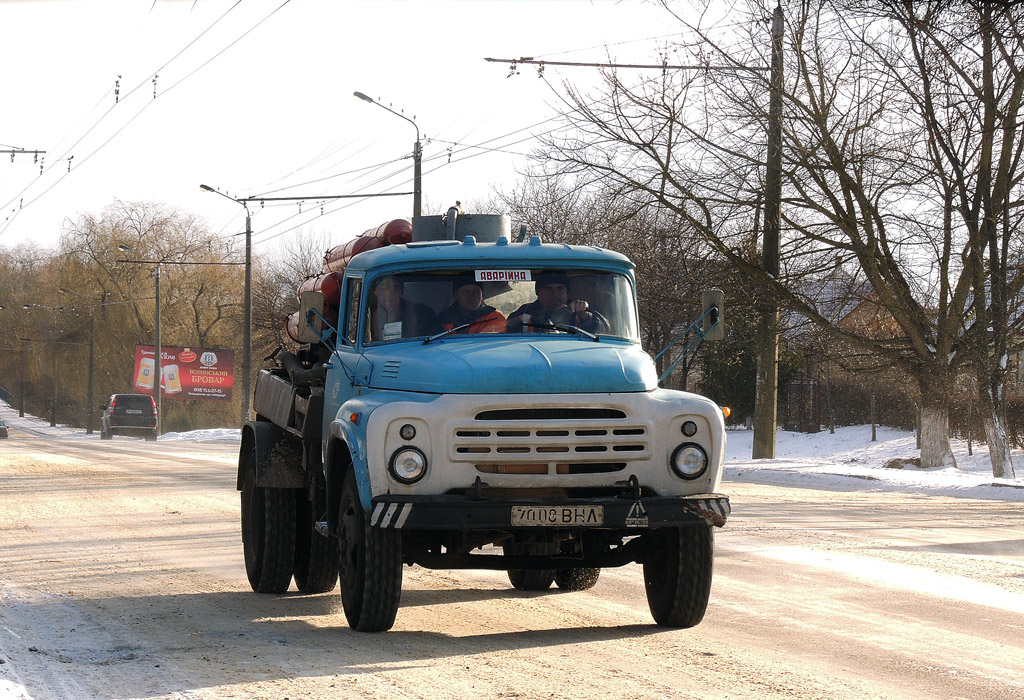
557	516
133	411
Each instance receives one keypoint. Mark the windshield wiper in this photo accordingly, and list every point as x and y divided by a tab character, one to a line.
456	329
565	327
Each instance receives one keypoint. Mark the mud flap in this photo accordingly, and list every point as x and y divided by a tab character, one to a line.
278	456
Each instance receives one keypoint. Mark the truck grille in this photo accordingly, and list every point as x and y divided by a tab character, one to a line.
549	441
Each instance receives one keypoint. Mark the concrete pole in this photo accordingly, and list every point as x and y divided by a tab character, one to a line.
247	322
417	174
88	393
766	402
53	399
157	392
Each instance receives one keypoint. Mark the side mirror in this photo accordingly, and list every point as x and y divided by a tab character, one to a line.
310	323
713	314
103	407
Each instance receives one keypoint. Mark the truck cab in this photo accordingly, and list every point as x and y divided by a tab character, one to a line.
487	405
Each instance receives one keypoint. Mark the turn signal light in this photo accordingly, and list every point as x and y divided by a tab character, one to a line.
726	411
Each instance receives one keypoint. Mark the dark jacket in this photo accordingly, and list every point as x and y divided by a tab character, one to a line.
534	313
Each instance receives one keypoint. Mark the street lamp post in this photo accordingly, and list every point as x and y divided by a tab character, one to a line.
417	152
247	303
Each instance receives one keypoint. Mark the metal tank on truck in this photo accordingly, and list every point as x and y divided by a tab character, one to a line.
466	401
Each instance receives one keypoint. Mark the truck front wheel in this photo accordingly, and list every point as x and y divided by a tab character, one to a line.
370	564
268	532
677	574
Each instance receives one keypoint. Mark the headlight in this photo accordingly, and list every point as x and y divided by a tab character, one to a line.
408	465
689	461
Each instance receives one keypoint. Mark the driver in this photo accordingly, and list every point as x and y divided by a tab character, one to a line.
553	305
469	308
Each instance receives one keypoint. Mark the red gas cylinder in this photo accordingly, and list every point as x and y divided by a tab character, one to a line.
291	326
329	284
393	232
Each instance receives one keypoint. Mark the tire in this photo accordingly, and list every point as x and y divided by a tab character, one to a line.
576	579
677	574
268	533
528	579
370	565
316	557
151	437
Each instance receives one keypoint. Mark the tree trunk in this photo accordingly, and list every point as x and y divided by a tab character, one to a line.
935	450
995	436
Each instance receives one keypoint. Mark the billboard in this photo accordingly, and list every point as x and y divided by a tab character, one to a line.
185	373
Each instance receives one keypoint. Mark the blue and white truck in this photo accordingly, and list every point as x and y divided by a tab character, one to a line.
542	446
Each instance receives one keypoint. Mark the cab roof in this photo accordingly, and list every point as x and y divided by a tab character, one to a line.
451	254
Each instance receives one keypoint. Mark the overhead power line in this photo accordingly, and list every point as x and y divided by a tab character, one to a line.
656	66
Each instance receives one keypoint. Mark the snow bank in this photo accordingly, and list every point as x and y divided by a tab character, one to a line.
844	461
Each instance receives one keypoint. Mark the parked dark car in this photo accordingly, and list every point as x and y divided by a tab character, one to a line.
4	432
129	414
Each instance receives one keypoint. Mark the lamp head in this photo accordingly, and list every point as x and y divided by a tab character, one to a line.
361	96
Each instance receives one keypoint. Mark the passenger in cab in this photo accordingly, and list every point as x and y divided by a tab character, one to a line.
392	316
469	308
553	306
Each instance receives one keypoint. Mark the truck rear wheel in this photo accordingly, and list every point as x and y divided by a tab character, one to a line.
316	559
370	564
528	579
268	533
576	579
677	574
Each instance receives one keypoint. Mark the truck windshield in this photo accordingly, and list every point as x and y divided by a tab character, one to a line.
516	301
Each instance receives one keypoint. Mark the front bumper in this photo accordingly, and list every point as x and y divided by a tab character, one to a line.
464	514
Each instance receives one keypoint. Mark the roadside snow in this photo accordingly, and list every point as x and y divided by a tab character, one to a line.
844	461
38	426
849	461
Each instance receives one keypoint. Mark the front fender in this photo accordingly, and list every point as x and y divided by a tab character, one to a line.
349	426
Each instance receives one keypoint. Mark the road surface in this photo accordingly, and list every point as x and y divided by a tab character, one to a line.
121	576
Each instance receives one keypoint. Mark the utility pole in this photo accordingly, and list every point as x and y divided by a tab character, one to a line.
247	331
766	402
88	392
157	389
20	387
765	410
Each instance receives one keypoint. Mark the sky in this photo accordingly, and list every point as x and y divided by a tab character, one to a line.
143	100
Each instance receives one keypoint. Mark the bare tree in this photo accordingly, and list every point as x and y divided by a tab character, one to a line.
860	171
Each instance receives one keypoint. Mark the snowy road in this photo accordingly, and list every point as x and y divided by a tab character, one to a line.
121	577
